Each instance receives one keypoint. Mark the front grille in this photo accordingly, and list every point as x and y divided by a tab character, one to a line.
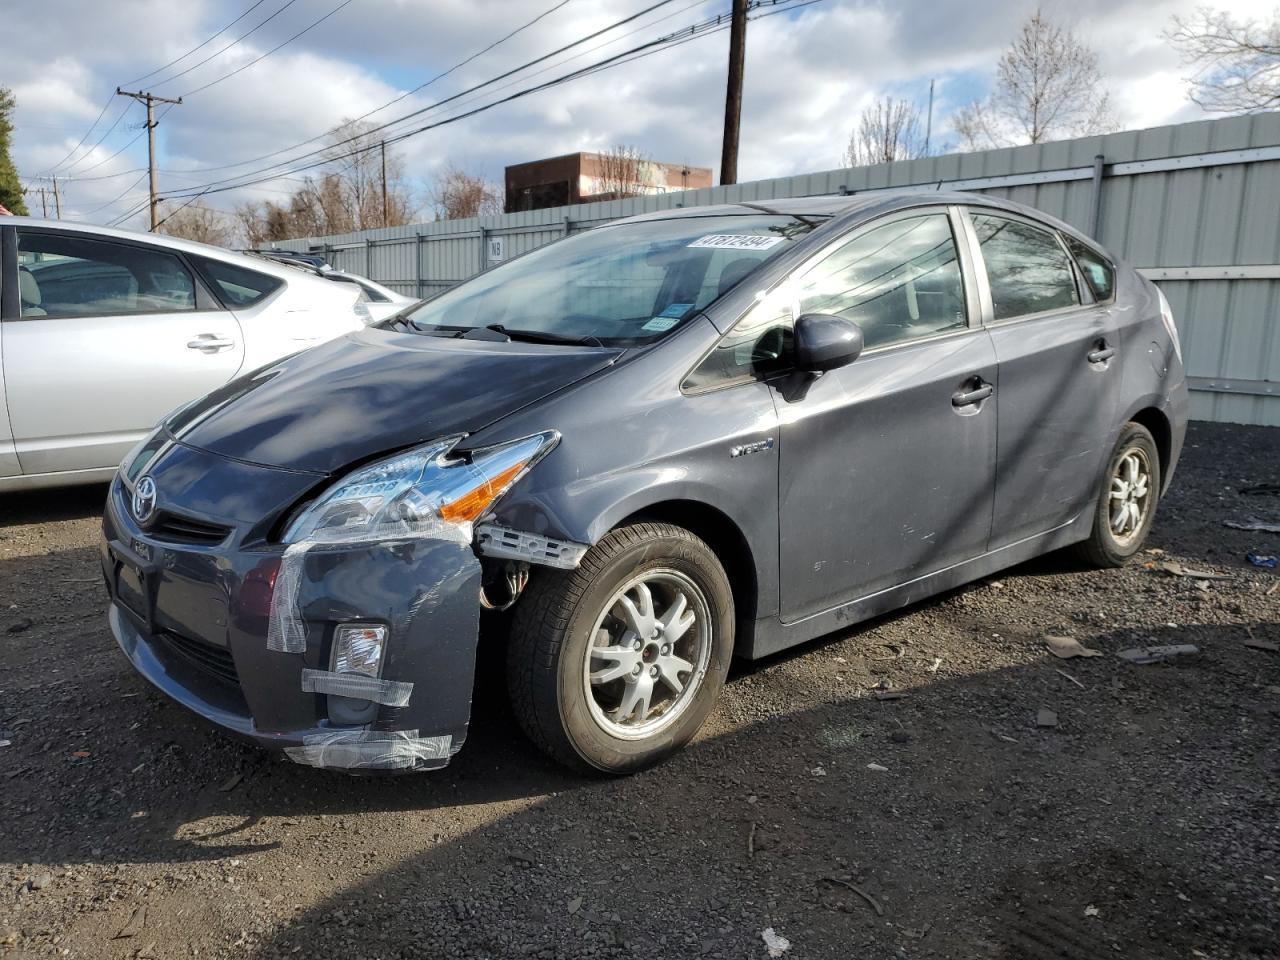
215	661
175	528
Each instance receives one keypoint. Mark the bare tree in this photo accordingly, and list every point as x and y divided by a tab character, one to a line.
889	130
195	222
347	194
1048	86
359	161
1237	61
457	195
623	171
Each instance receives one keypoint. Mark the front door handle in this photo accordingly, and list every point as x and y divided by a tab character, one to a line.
967	398
1101	352
210	343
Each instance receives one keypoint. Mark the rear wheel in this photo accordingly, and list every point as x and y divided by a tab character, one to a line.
1126	504
615	665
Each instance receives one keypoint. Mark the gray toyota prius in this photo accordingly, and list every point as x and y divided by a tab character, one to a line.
657	444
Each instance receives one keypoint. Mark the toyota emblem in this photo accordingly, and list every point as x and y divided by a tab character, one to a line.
144	499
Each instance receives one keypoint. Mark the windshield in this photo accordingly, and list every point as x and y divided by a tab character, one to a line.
621	285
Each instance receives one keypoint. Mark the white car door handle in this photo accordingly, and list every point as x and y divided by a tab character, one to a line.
210	343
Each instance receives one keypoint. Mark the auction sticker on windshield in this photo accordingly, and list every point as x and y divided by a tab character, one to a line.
736	241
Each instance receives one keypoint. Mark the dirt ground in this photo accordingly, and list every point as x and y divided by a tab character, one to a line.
1142	825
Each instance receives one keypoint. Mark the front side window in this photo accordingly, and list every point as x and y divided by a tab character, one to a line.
900	281
70	276
622	285
1027	269
1098	272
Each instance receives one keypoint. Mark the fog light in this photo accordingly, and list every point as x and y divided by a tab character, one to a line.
358	648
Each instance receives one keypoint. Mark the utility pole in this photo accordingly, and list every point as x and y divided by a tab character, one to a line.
733	97
150	100
928	124
57	200
383	145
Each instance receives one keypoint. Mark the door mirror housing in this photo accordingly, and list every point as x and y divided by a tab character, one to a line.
824	342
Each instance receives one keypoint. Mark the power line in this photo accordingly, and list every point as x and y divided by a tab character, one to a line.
421	86
106	133
130	214
502	76
697	31
264	56
392	102
214	56
106	106
96	121
151	122
203	43
688	34
136	138
116	199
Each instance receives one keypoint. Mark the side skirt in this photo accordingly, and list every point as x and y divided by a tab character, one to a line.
771	635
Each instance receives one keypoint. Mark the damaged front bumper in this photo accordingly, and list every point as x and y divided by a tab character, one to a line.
195	620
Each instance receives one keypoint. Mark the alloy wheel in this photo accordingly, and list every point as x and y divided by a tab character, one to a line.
649	653
1130	494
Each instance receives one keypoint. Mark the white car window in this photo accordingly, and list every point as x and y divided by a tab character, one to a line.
237	286
61	275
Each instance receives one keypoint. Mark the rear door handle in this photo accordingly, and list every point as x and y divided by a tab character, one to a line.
967	398
210	343
1102	352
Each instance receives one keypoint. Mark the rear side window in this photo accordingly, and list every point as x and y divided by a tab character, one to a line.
1027	268
1098	272
60	275
237	286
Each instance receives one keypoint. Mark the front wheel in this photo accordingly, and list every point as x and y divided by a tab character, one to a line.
615	665
1126	505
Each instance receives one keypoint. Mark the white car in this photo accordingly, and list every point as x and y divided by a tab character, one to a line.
382	302
103	332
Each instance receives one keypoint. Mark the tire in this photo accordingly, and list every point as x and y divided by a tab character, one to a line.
563	614
1106	547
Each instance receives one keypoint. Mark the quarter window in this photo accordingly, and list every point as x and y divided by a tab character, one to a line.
1098	272
1027	269
238	286
71	276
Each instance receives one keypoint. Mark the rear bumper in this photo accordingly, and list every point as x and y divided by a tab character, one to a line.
197	630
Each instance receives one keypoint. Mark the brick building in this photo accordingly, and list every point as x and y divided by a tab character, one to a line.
586	177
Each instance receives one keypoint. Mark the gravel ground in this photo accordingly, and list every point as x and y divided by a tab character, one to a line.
948	820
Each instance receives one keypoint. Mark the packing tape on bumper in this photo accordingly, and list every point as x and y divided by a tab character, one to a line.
390	693
370	750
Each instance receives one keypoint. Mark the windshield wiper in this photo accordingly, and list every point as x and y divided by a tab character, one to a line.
540	336
450	331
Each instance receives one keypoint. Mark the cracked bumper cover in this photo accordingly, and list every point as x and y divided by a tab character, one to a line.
198	632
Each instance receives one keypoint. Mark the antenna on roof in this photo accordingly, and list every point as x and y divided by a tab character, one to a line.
938	187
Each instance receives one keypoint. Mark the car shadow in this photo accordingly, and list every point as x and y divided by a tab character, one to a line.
50	506
976	826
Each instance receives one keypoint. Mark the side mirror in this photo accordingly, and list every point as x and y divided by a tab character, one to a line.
824	342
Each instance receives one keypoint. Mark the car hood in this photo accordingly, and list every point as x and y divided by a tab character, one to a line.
375	391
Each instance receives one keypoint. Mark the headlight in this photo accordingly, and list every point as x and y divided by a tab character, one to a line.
421	492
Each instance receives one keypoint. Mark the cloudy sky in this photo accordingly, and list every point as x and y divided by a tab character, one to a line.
809	73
